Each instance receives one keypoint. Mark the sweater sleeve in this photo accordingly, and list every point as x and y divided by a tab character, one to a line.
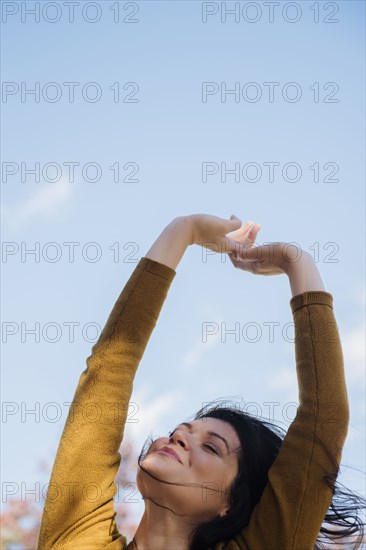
79	508
295	500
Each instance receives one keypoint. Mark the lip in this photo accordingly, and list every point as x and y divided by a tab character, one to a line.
168	450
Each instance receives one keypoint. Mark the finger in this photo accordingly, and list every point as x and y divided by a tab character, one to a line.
249	238
234	224
253	234
234	260
252	229
245	265
242	231
235	218
255	229
230	246
251	252
248	225
237	255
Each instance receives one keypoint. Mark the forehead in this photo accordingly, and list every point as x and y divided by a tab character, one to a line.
221	427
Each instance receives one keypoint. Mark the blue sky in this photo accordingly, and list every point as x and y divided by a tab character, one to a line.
162	140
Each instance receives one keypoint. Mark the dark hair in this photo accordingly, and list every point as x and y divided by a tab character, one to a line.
260	442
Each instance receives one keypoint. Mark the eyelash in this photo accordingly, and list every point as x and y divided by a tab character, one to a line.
208	446
212	449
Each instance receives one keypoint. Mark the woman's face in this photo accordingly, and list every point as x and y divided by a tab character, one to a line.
207	461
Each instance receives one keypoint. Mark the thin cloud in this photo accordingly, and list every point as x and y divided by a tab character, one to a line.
193	356
45	201
146	414
284	379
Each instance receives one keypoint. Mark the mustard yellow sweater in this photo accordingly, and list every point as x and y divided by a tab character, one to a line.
79	509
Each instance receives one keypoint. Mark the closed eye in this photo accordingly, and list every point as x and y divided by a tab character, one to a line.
212	448
209	446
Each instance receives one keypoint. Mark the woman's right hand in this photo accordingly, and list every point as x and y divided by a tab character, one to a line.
273	258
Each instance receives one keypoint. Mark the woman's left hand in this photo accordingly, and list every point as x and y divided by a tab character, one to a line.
220	235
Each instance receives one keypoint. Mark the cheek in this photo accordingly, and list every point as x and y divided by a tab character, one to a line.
212	468
207	467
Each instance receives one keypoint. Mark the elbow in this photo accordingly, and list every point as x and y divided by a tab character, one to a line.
344	414
334	423
344	419
341	424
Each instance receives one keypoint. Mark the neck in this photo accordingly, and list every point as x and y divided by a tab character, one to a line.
161	529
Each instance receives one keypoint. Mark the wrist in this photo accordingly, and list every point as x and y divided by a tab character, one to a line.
186	228
303	275
172	242
302	262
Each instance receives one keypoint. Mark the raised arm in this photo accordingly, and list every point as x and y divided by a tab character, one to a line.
293	505
79	509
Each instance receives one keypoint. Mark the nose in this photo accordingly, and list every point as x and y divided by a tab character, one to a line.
179	437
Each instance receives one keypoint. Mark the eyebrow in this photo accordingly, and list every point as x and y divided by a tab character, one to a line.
190	426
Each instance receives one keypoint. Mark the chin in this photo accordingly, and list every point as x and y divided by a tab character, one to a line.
158	468
155	464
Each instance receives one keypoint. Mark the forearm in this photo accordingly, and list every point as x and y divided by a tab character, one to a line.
172	242
304	275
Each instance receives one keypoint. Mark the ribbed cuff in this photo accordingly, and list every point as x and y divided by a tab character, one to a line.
156	268
311	297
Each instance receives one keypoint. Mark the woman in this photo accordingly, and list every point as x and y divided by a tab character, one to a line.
219	482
